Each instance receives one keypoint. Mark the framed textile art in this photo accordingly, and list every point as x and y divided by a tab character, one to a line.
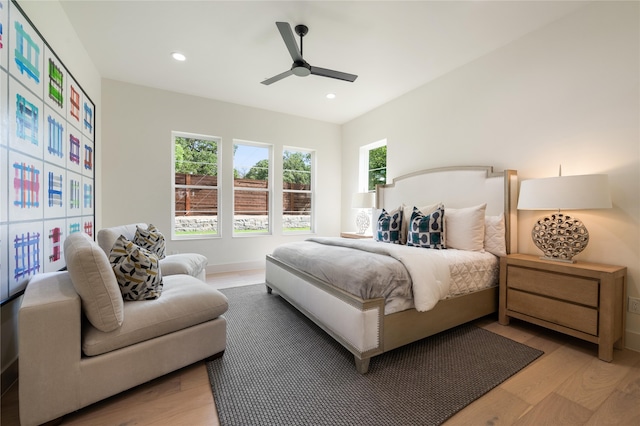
47	154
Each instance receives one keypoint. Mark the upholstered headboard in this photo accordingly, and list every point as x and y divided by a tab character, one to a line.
458	187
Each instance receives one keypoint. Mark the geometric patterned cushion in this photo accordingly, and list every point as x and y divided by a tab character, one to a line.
150	239
406	215
389	226
137	271
427	230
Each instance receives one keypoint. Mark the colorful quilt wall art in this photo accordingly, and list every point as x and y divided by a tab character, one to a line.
46	154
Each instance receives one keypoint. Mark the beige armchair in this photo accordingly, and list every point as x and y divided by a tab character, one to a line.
79	342
193	264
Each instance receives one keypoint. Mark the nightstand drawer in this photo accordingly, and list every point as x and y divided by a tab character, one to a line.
566	287
584	300
577	317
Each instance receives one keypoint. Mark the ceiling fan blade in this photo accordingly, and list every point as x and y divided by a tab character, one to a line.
277	77
323	72
289	40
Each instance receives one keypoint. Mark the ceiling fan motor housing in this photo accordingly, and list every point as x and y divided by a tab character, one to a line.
301	68
302	30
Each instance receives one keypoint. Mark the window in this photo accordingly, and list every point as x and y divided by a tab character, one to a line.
297	190
373	165
251	188
195	185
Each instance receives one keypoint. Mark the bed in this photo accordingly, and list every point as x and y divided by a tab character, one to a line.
369	322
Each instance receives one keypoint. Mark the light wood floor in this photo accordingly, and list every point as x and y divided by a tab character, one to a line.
568	385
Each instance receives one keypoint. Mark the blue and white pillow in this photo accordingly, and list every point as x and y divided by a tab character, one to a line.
427	230
389	226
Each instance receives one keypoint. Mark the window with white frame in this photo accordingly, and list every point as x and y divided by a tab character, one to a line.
373	165
252	188
297	190
196	195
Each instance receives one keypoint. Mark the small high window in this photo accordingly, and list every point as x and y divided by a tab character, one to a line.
373	165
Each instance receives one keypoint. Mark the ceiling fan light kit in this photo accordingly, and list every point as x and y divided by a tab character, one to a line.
300	67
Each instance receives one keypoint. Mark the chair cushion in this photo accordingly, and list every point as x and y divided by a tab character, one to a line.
95	282
185	302
183	263
107	236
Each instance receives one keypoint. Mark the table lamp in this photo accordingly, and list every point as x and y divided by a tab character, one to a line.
363	200
561	236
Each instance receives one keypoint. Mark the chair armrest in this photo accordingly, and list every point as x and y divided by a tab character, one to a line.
49	342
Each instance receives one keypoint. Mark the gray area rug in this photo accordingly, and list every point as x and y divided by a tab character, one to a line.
279	368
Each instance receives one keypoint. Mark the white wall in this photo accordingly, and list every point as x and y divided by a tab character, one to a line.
51	21
136	159
566	94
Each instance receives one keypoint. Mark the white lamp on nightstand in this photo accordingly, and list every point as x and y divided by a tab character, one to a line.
363	201
561	236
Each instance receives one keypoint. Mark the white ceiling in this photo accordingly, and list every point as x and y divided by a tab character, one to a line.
231	46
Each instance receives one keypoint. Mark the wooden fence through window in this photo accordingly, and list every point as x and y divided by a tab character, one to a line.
247	202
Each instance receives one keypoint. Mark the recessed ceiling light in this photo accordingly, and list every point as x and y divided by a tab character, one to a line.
178	56
331	95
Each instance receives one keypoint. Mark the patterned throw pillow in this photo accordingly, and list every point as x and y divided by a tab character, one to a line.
427	230
389	226
150	239
137	271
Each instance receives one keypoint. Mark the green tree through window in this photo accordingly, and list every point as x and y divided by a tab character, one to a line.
259	171
377	167
296	167
196	156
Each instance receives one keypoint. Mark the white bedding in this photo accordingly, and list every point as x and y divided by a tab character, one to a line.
429	272
435	274
469	271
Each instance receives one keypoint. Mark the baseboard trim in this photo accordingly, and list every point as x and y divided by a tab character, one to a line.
235	267
9	376
632	340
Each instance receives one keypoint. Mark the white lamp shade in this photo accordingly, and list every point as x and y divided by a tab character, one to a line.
363	200
565	193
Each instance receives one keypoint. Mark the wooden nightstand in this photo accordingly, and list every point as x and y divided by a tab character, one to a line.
584	300
355	235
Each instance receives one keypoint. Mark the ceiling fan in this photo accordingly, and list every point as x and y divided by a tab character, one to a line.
300	67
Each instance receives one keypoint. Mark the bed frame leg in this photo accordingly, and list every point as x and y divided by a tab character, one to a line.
269	289
362	364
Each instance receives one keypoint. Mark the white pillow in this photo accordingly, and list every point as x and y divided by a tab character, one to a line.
408	210
464	228
494	235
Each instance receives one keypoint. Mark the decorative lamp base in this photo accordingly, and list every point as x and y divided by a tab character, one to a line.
362	222
560	237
